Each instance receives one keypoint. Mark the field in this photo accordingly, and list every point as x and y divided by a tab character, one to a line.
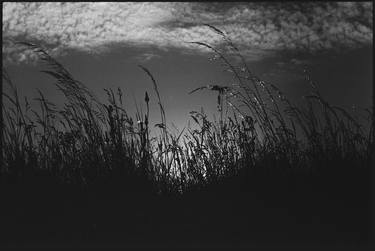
266	172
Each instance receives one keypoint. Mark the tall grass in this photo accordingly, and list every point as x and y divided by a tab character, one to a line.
258	126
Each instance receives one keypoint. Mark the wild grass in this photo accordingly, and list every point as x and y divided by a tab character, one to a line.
86	139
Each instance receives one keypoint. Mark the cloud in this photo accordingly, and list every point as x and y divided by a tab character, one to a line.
256	28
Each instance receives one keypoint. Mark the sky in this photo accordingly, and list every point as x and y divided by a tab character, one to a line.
102	44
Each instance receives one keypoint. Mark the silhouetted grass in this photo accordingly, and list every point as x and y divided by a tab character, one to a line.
96	173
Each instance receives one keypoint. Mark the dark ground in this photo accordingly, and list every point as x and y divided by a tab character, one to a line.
253	209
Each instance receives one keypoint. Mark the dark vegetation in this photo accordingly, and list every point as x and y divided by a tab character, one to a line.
267	172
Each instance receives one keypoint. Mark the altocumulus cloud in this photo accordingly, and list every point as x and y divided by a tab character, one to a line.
257	28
